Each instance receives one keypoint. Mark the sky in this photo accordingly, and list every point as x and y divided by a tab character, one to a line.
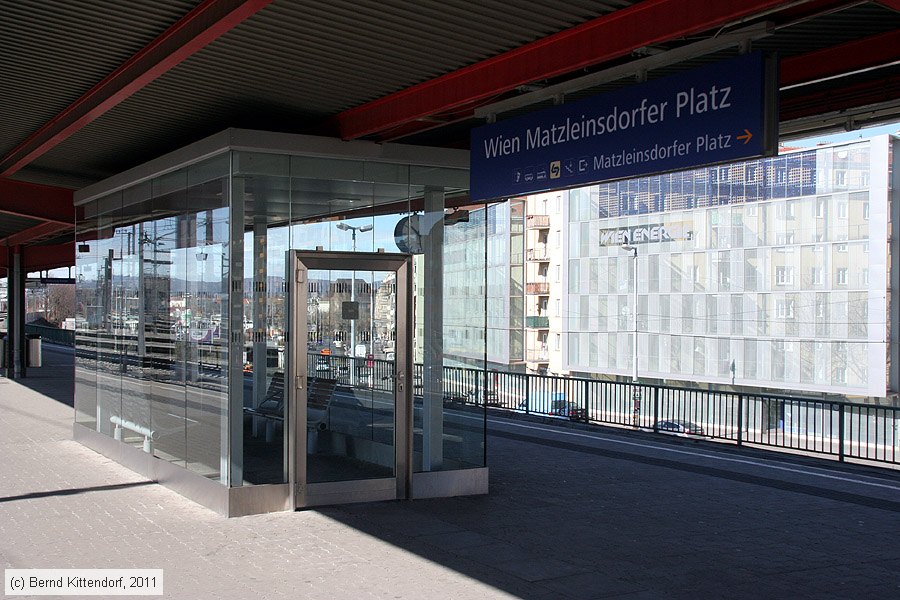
846	136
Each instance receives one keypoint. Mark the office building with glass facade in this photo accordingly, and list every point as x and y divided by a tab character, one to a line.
247	324
772	273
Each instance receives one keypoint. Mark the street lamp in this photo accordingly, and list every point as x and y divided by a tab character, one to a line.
353	230
634	321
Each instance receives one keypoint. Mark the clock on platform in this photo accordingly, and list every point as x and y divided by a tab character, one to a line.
407	236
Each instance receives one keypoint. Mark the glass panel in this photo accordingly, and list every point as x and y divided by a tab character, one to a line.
451	386
350	400
109	378
87	325
129	315
206	310
166	325
265	197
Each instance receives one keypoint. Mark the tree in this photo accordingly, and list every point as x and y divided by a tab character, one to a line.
60	302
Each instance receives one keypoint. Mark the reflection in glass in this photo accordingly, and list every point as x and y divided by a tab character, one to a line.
350	398
163	264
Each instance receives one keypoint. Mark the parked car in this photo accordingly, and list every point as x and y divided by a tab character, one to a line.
564	408
678	427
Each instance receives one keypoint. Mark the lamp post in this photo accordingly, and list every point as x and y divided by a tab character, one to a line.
636	395
634	321
353	230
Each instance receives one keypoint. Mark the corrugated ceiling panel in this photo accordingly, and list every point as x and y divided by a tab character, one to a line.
10	224
287	68
295	63
53	51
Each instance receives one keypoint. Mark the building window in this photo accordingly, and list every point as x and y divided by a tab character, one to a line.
558	308
784	276
864	278
840	375
752	210
865	211
842	210
816	275
784	309
820	208
841	247
784	239
785	210
840	178
841	278
820	308
557	342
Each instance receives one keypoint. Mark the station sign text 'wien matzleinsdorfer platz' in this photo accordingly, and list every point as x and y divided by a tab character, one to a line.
721	112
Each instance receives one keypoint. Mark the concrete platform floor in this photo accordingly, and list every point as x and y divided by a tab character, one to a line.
572	513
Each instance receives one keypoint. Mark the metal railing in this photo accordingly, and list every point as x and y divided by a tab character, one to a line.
537	355
838	429
843	430
52	334
537	254
537	221
537	322
537	288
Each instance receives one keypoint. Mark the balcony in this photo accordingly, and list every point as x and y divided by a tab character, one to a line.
539	288
537	222
537	322
538	356
537	254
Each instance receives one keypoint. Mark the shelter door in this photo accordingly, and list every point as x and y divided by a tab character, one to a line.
350	365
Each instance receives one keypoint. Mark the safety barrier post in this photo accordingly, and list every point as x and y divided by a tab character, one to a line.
656	410
527	398
841	432
587	401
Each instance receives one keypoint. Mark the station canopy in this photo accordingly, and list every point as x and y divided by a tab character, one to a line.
92	88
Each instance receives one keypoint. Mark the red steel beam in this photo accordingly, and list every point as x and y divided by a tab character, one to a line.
38	258
605	38
866	53
204	24
36	233
882	89
35	201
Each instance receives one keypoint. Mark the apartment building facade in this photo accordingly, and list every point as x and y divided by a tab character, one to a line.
772	274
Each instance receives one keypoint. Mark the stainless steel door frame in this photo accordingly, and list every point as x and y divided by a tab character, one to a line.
299	263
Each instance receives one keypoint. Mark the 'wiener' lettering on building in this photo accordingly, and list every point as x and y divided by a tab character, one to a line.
644	234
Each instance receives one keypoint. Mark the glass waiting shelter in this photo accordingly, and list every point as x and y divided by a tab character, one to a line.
269	321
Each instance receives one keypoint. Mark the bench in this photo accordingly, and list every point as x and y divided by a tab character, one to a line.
318	397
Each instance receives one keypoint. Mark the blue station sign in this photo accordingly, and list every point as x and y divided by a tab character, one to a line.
721	112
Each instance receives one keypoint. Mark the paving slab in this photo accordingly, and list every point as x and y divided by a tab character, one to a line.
571	514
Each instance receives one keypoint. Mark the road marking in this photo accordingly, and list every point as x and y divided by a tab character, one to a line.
699	454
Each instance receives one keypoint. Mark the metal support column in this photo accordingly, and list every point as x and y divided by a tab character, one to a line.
16	322
260	346
433	350
233	454
6	356
142	300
